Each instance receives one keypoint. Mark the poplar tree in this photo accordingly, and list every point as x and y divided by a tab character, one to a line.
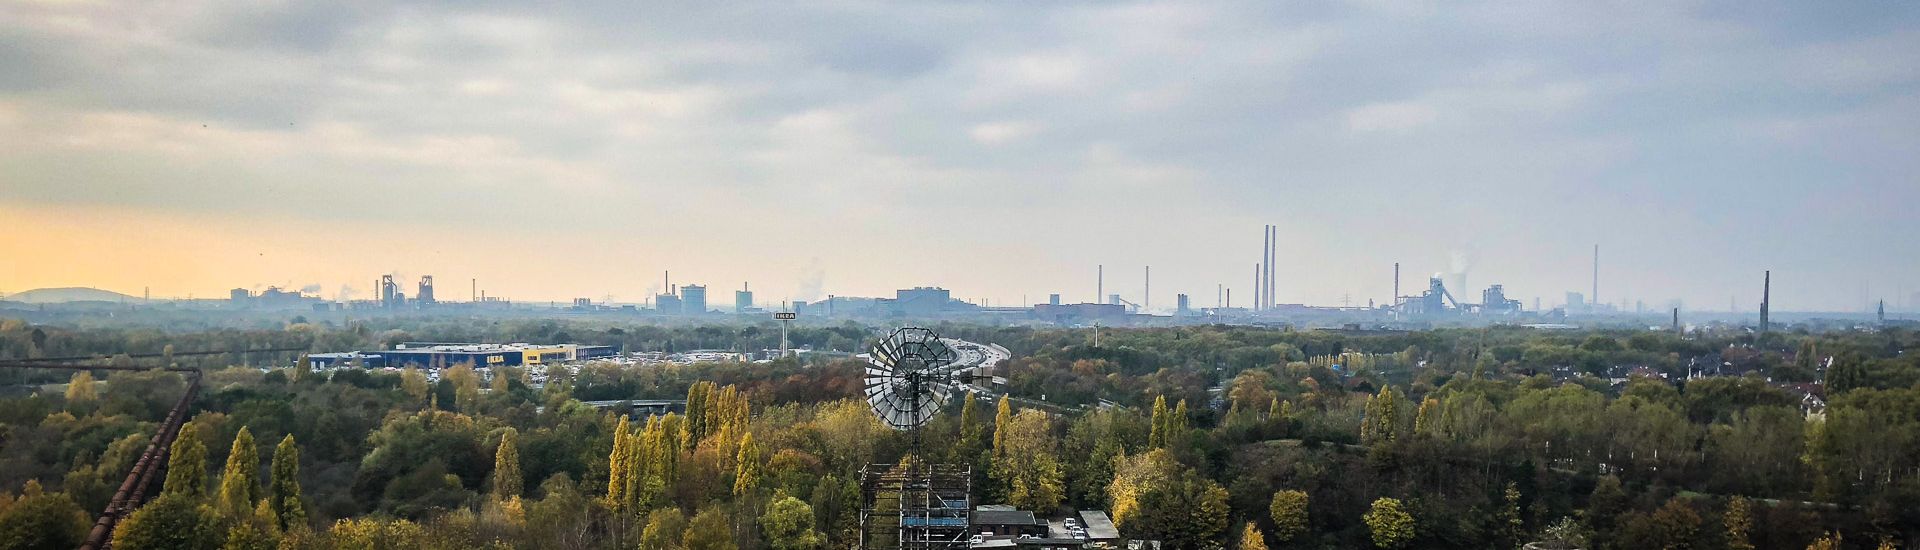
617	465
695	426
507	481
284	497
240	479
1157	434
1174	429
1002	417
1425	421
746	478
969	425
187	464
636	471
662	467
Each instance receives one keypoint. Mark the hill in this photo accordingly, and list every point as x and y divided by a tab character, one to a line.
68	294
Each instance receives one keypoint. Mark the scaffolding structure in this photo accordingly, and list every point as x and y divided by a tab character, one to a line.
915	506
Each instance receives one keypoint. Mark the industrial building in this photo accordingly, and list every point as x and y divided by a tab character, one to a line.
693	300
442	355
743	300
921	301
271	298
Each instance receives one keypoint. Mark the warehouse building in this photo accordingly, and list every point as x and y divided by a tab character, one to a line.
435	355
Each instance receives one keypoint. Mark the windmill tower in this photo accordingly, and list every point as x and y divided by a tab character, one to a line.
914	504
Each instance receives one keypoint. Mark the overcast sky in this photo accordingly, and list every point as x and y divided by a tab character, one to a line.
997	149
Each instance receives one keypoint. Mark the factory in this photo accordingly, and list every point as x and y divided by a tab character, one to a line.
441	355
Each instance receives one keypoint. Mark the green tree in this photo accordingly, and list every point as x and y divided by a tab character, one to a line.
1426	420
788	525
81	389
1189	511
1509	528
173	521
665	526
414	384
1136	477
1002	416
42	520
1739	520
619	466
709	530
746	476
1157	438
965	449
1250	538
1177	424
1389	523
377	534
187	464
466	387
240	479
253	532
284	496
303	369
1028	462
1382	422
1289	512
507	480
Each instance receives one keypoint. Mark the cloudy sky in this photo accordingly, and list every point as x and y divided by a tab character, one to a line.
998	149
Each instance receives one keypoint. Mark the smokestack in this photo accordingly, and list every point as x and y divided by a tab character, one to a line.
1595	299
666	281
1100	283
474	292
1396	282
1146	300
1266	249
1256	286
1273	255
1229	297
1676	323
1217	290
1766	299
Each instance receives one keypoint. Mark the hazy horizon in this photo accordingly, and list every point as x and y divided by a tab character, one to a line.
999	151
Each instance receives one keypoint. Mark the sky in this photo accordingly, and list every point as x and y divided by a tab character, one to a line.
1003	150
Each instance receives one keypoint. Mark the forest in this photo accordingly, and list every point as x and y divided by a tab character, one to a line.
1199	437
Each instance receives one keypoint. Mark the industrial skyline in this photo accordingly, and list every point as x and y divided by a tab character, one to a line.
389	291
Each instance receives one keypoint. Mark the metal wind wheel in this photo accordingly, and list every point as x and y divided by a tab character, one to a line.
909	377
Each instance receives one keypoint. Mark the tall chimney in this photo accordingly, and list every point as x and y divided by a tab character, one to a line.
1100	284
1273	256
1396	282
1766	299
1146	300
1266	249
1229	297
1676	323
1595	298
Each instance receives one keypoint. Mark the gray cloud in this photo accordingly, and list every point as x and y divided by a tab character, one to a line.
1744	136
